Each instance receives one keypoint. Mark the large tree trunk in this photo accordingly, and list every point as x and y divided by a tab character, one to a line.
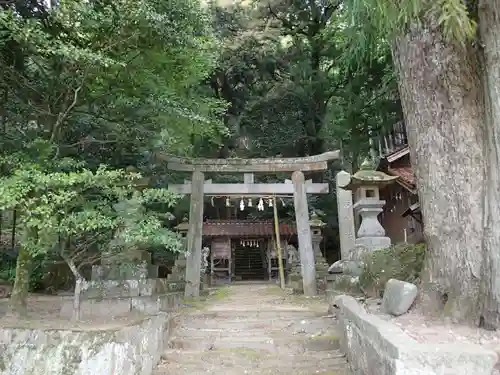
19	296
442	100
489	22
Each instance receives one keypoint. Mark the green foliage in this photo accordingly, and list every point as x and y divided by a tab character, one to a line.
84	203
7	272
109	80
91	83
403	262
291	92
369	21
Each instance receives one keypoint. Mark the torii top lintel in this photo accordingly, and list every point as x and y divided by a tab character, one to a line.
237	165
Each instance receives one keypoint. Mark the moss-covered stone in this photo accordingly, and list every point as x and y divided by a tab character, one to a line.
347	284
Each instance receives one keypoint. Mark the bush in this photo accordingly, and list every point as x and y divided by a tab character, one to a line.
403	262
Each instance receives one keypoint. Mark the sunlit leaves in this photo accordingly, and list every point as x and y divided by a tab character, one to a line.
52	205
387	18
453	17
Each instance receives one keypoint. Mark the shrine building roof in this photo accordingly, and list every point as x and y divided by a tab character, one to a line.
405	173
241	228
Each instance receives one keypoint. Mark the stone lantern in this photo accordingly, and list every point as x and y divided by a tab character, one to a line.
316	225
366	185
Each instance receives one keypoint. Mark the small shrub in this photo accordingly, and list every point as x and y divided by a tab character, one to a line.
403	262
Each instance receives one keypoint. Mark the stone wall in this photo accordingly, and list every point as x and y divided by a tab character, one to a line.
121	297
123	306
134	349
377	347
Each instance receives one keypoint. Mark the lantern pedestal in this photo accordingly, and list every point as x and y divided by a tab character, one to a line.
371	234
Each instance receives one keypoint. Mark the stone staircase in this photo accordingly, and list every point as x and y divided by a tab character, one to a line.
254	331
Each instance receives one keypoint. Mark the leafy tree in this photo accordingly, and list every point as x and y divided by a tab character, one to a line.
269	72
67	211
93	83
103	67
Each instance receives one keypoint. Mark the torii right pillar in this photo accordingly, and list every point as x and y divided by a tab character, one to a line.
307	263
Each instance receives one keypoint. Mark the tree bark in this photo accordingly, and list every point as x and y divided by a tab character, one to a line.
489	27
20	290
443	103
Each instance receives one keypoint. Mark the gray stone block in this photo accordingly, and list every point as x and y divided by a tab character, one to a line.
398	297
181	263
150	287
115	272
119	350
123	306
110	289
345	284
98	308
145	305
372	243
175	285
348	267
125	288
374	346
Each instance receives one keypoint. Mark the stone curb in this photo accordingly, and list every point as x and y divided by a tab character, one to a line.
374	346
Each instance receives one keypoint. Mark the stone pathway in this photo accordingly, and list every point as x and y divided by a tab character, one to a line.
254	329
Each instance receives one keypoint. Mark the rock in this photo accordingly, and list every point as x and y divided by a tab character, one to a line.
358	252
346	284
5	290
398	297
347	267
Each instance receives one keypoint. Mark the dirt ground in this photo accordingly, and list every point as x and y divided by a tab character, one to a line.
437	330
44	313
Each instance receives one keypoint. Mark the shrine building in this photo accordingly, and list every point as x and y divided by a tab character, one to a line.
243	250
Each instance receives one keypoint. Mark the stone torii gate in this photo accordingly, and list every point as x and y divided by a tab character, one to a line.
297	187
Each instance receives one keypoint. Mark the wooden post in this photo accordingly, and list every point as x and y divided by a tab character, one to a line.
278	244
308	266
193	259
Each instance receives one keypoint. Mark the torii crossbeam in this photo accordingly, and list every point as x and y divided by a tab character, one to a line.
249	189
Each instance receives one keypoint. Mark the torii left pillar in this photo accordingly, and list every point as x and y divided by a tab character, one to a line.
194	243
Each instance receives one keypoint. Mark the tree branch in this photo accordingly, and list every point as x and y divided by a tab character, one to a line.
287	23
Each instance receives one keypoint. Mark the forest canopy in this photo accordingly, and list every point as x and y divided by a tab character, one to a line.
93	93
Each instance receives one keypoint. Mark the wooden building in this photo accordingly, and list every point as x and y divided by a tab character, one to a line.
401	218
243	249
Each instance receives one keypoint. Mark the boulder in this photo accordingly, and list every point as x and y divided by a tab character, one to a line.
398	297
347	267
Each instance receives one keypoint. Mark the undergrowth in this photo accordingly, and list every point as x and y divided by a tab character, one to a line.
402	262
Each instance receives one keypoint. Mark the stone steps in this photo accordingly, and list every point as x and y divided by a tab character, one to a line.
240	324
249	333
248	314
261	360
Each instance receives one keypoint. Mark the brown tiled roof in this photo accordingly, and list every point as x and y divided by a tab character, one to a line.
241	228
405	174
